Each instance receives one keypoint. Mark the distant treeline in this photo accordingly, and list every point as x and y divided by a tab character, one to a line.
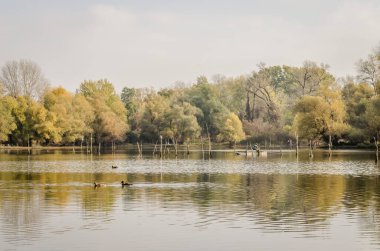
275	103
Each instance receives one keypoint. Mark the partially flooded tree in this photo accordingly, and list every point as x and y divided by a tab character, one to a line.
335	113
153	119
23	78
309	121
181	123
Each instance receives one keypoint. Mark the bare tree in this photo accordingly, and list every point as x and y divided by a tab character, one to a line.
369	70
23	78
259	86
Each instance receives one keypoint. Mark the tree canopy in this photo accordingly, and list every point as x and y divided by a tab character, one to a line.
277	102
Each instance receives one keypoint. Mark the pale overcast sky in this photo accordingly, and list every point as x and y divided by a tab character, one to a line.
154	43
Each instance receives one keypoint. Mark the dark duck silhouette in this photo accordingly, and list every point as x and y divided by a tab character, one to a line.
96	185
113	167
125	184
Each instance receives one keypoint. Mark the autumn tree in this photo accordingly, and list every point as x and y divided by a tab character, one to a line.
34	124
180	123
7	121
335	112
232	130
134	101
309	121
110	115
356	97
372	116
232	92
73	114
153	119
203	95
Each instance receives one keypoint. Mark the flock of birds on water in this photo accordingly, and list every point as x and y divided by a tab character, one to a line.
123	184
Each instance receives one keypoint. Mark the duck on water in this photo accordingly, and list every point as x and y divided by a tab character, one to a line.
125	184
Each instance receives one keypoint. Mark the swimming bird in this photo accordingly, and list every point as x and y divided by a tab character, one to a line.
96	185
114	167
125	184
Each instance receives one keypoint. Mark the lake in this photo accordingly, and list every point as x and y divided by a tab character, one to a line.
229	202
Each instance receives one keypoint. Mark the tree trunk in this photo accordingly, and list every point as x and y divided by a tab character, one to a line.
165	146
377	147
175	146
203	150
330	146
270	142
248	109
311	150
160	146
91	143
99	148
209	146
28	144
155	148
297	145
209	142
253	107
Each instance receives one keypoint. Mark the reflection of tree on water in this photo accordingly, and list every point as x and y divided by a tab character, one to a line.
272	202
295	201
20	206
362	197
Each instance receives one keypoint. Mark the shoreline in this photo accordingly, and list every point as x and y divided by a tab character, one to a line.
150	147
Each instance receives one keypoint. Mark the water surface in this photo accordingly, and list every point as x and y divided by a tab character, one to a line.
229	202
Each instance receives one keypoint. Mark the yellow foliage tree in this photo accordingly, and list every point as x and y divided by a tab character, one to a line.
232	129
